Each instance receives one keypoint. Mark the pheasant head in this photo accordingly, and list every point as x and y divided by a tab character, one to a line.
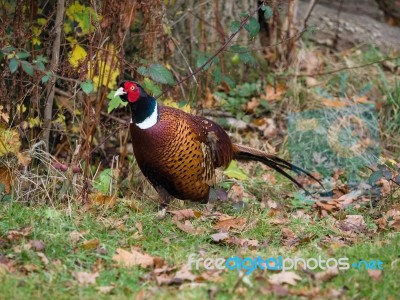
143	106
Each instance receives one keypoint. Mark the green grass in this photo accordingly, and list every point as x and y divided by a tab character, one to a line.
115	228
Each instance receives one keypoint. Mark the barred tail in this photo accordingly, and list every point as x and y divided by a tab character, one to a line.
278	164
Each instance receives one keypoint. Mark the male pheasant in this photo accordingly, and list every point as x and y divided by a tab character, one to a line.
179	152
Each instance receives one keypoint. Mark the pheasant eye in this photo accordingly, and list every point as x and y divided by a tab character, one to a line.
132	88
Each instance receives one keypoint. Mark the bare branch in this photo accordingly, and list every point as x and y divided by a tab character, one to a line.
55	56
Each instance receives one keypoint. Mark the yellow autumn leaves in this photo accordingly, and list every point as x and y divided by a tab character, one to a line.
103	70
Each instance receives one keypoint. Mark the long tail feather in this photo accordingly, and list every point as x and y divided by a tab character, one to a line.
278	164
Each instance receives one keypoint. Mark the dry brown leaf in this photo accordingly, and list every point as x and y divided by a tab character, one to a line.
43	258
279	221
139	227
352	223
101	199
187	227
133	258
15	235
243	242
349	198
28	268
274	93
220	236
236	193
382	223
327	275
271	179
185	214
284	277
395	223
375	274
226	224
24	159
327	206
37	245
85	278
210	275
75	236
90	244
290	239
251	105
184	274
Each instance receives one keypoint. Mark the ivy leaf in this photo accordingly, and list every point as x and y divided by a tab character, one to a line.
160	74
8	49
267	11
103	181
87	86
13	65
27	67
235	25
151	87
252	27
115	102
22	55
46	77
142	70
233	171
40	65
244	54
217	75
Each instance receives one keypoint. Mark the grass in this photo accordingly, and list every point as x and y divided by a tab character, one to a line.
119	226
115	228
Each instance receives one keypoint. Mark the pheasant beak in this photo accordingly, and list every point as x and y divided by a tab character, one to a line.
119	92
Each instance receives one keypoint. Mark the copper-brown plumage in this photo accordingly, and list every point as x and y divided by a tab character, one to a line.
179	152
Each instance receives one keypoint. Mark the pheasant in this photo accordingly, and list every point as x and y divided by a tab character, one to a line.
179	152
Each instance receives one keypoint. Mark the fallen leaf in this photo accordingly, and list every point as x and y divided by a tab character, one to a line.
327	275
226	224
284	277
187	227
133	258
102	200
139	227
29	268
75	236
184	274
220	236
90	244
24	159
395	223
85	278
251	105
349	198
184	214
329	206
274	93
210	275
352	223
37	245
279	221
15	235
375	274
252	244
43	258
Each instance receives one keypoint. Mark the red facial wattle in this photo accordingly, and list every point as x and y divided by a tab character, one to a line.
132	91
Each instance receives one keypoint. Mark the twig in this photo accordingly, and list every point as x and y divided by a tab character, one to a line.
119	120
340	69
308	14
48	111
222	48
